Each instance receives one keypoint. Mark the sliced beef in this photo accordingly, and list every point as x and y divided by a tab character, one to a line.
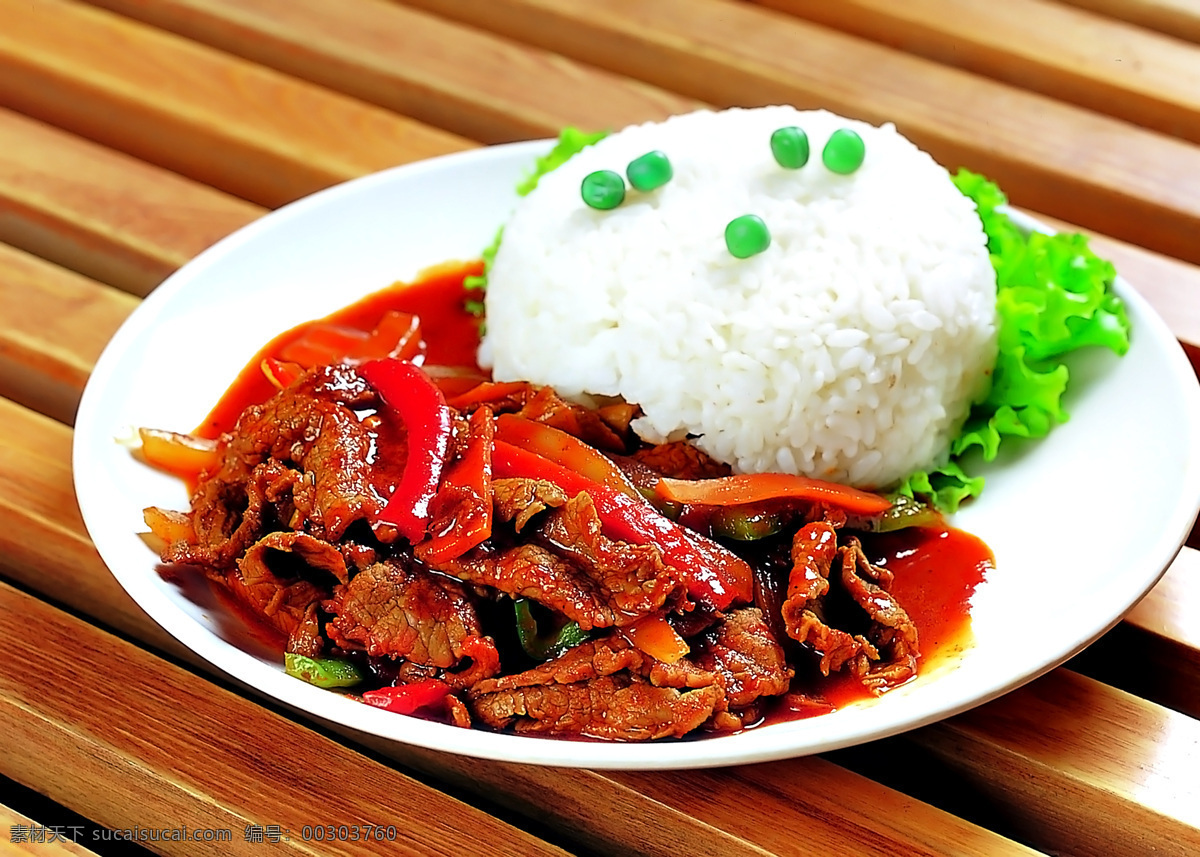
601	689
681	459
814	548
633	579
517	500
575	570
311	426
396	610
892	633
546	406
532	571
229	516
293	554
878	643
282	578
745	654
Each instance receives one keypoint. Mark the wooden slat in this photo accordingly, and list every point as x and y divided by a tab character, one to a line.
1155	652
1105	773
53	326
171	749
40	527
102	213
414	63
1178	18
232	124
1056	158
1143	77
46	539
24	835
739	799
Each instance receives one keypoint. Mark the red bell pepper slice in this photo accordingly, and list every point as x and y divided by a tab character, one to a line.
408	698
415	400
757	487
464	498
398	334
566	449
321	343
714	576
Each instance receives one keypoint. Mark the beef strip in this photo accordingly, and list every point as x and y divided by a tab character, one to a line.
532	571
681	459
312	426
633	579
814	548
546	406
600	689
892	632
518	499
573	568
745	654
393	609
814	554
283	577
885	653
229	516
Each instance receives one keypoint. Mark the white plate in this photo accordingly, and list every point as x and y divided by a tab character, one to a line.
1082	524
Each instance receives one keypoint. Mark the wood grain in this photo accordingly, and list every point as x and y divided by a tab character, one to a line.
130	740
1143	77
1178	18
43	546
102	213
1059	159
1108	773
234	125
53	326
1155	652
466	81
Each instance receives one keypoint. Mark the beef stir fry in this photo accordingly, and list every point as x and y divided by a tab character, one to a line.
505	559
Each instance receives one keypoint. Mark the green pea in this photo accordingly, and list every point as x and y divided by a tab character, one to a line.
790	147
747	236
844	152
323	672
650	171
603	189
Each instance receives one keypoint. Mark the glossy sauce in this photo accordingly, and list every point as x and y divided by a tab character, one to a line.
451	335
936	569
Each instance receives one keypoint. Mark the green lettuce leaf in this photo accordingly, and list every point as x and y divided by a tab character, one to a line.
1053	296
570	142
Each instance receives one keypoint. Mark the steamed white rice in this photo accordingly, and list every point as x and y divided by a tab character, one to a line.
851	349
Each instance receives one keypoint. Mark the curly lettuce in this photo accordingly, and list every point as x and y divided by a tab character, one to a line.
571	141
1054	296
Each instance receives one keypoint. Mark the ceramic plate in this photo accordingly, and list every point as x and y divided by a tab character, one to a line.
1082	524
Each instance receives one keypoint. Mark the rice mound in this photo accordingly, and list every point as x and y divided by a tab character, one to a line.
851	349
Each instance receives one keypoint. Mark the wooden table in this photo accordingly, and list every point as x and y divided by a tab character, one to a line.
134	133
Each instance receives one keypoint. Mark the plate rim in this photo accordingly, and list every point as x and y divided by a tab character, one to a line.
249	672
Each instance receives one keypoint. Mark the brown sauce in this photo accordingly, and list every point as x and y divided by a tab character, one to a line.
936	569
